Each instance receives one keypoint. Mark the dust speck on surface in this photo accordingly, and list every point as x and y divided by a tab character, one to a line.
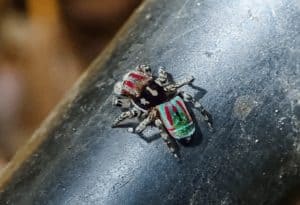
243	106
148	16
208	54
251	16
281	123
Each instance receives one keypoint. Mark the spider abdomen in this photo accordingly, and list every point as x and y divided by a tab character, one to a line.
176	118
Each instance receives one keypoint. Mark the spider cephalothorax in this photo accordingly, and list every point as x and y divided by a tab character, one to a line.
156	100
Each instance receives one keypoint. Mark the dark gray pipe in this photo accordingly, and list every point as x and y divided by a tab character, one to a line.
244	54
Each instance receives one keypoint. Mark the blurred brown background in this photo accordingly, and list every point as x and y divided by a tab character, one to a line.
44	46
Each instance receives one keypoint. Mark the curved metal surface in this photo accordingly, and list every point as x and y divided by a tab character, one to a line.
245	54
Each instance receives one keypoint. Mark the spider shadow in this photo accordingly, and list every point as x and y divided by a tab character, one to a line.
146	138
126	125
200	91
196	139
150	138
172	140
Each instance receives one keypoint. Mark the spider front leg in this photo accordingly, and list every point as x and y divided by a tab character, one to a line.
142	125
125	115
207	116
171	143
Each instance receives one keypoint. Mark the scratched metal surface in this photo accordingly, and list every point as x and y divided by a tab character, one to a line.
244	54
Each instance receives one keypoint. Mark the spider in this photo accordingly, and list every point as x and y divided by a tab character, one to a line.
156	100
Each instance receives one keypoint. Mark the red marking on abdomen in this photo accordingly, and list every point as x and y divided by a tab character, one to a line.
129	84
168	115
137	76
174	109
184	109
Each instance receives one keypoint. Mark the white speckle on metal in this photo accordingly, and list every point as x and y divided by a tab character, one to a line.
148	16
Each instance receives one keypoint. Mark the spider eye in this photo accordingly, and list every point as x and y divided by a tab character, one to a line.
144	68
147	69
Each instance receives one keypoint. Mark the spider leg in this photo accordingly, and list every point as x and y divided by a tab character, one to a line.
173	87
125	115
207	116
142	125
171	143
